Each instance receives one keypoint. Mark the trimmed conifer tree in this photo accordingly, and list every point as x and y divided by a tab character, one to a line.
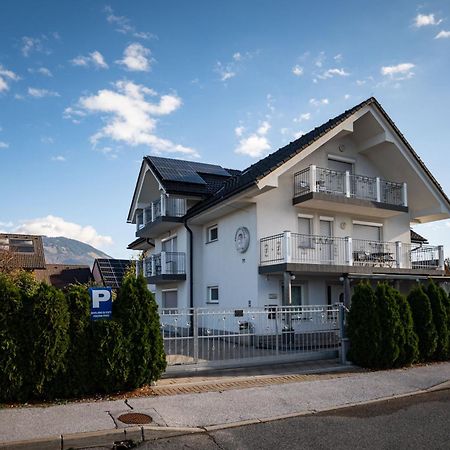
48	330
363	327
440	319
78	377
136	309
446	301
423	322
11	376
409	345
391	329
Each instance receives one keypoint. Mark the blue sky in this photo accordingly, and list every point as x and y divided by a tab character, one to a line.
89	87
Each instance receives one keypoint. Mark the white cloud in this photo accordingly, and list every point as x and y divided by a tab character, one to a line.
53	226
320	59
239	131
225	71
136	58
318	102
4	144
338	57
330	73
255	145
30	44
41	93
346	96
443	35
237	56
47	140
5	76
95	58
42	71
297	70
423	20
263	128
399	72
129	117
123	25
58	158
303	117
298	134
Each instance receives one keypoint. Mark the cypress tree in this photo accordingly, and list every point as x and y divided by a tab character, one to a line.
11	374
363	327
446	302
440	319
50	339
423	322
136	309
391	329
409	346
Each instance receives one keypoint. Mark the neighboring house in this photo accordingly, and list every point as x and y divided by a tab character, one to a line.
109	272
296	227
22	251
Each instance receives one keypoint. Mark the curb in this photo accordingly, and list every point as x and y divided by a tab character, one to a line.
149	432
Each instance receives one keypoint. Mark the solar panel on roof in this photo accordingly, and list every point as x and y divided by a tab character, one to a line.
112	271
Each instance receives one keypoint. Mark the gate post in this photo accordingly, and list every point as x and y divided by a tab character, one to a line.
195	333
342	337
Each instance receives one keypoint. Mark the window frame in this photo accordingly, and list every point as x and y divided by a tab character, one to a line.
208	233
163	292
209	291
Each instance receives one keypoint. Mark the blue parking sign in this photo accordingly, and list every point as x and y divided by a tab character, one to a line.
101	303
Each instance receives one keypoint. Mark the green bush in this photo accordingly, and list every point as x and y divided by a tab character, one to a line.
49	340
446	302
136	309
423	322
11	376
109	358
391	329
363	327
78	379
409	344
440	319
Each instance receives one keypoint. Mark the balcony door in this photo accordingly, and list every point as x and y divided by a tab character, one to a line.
170	247
335	182
326	242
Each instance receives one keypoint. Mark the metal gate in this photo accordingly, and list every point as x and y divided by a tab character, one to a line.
215	337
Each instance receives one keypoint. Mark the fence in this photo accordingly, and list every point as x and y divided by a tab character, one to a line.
233	337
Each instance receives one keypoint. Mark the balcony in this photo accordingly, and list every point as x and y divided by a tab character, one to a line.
319	188
165	266
312	253
160	216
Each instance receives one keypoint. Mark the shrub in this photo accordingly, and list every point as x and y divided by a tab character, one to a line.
409	343
391	330
11	377
136	309
438	307
423	322
446	302
109	358
48	332
363	327
78	378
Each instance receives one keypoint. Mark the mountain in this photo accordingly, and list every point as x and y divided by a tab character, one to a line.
61	250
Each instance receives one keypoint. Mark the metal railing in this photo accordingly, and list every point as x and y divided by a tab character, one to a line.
345	184
290	247
165	263
215	336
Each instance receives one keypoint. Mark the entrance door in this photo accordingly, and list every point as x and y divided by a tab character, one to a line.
296	295
326	242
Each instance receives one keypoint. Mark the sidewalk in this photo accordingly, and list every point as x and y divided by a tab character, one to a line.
282	391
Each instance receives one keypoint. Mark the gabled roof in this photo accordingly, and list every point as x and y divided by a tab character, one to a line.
416	238
263	167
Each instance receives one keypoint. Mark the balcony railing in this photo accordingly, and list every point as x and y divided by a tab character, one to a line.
290	247
165	263
163	207
345	184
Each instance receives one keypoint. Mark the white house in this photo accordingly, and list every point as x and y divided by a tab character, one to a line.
297	227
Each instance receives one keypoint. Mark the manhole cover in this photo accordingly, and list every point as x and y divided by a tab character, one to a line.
135	418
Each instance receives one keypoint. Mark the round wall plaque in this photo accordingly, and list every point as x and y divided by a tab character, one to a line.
242	239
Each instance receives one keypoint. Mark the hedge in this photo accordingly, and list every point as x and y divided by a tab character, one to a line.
49	347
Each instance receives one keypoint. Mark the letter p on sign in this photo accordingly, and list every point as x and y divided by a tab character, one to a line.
101	303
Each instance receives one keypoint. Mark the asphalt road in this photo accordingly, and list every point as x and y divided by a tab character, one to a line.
417	422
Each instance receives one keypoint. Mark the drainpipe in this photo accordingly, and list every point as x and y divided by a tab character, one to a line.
192	326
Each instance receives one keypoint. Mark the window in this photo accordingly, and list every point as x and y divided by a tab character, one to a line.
213	233
169	245
21	245
213	294
170	299
304	229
